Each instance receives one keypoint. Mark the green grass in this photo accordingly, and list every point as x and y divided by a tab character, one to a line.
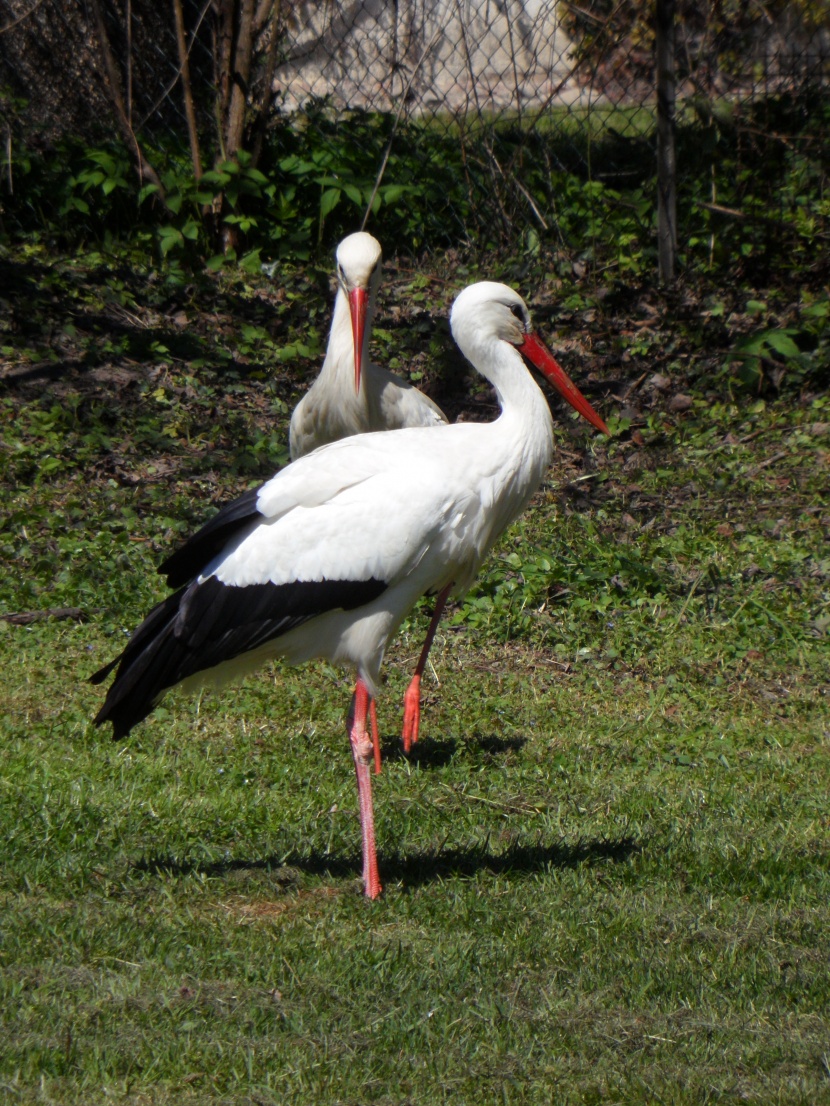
591	889
605	866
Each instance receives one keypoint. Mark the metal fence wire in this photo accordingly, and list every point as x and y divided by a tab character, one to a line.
572	83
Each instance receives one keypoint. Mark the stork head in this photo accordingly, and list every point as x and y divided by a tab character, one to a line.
358	274
487	310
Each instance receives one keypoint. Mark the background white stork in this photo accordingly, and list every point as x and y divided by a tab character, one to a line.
352	395
327	557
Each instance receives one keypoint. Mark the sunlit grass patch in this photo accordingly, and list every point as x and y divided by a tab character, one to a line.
605	864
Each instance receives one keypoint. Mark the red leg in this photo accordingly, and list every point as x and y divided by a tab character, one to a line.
412	698
373	719
362	755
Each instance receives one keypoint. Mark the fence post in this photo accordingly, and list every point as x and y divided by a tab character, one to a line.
666	175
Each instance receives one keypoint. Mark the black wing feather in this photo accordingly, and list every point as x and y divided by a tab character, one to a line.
200	549
205	624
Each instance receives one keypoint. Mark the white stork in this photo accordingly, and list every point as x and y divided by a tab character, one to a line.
352	395
327	557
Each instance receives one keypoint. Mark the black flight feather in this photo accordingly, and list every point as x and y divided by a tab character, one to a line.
199	550
205	624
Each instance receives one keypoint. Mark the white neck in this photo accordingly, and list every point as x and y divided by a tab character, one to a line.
339	361
340	352
525	416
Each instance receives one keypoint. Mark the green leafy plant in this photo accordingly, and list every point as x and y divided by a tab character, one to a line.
774	355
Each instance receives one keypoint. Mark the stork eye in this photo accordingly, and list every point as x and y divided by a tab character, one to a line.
517	311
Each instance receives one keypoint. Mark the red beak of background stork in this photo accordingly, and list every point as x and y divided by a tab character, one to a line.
546	363
358	302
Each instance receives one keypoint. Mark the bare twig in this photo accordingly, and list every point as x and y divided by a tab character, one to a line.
515	182
128	19
25	618
113	82
394	130
633	388
733	213
9	159
776	457
719	209
688	599
187	90
16	22
172	84
468	56
758	433
553	95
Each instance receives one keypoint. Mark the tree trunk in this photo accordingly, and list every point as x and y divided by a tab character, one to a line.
240	77
268	10
235	38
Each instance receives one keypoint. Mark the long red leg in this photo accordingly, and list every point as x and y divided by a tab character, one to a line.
412	698
362	755
373	719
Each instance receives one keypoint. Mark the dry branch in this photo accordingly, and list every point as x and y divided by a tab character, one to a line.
187	90
25	618
116	94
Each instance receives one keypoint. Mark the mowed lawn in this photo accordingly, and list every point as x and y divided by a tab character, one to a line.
606	866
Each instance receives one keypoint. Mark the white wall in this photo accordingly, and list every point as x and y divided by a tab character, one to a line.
491	54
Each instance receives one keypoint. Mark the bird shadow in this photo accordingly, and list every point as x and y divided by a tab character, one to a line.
431	752
428	752
494	746
414	869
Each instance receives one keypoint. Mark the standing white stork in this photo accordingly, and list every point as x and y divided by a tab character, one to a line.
327	557
352	395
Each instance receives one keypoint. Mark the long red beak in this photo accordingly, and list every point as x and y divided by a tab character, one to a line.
547	364
358	302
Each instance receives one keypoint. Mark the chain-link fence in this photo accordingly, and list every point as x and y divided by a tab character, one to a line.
511	83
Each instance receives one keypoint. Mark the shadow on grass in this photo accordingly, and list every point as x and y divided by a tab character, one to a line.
421	868
431	752
494	746
426	753
416	869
